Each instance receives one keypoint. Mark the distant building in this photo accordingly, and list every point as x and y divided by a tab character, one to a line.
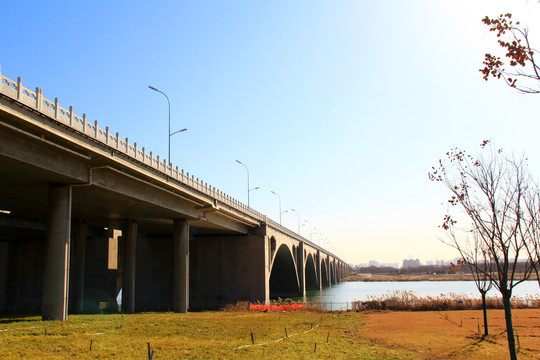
408	263
439	263
373	263
429	262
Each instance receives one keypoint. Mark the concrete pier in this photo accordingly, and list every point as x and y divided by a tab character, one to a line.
181	265
129	266
301	269
79	234
56	272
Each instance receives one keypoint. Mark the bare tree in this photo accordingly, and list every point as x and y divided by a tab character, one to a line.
492	191
480	266
514	39
533	248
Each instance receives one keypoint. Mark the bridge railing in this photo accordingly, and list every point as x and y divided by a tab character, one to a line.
35	100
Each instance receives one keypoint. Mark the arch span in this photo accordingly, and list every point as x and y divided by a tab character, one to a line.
312	282
283	277
324	273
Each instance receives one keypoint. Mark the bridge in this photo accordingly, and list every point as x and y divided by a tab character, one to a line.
86	213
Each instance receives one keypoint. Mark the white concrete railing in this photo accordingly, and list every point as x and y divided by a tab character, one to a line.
53	110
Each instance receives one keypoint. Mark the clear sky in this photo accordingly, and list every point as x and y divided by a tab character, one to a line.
340	107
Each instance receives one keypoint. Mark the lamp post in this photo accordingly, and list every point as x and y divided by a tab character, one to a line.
309	229
170	134
248	189
279	206
298	220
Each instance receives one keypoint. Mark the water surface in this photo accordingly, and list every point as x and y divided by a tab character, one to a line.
341	295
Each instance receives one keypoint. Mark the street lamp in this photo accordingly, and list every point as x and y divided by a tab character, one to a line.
279	206
170	134
309	229
297	214
248	189
318	234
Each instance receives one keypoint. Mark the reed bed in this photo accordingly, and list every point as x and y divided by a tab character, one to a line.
404	300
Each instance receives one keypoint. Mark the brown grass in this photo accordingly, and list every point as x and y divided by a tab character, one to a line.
407	301
454	334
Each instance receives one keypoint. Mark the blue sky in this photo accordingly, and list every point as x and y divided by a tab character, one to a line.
340	107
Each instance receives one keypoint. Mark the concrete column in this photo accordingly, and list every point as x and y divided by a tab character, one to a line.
330	268
79	234
128	270
181	265
56	271
319	269
301	269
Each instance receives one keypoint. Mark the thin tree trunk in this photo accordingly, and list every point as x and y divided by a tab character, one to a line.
486	332
509	328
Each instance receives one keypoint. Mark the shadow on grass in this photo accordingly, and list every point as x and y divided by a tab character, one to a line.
15	318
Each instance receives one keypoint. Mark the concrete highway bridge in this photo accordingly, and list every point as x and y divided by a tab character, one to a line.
85	213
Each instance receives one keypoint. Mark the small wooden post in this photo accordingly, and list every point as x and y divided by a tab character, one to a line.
252	339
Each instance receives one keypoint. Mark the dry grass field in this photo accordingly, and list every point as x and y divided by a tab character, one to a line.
277	335
454	334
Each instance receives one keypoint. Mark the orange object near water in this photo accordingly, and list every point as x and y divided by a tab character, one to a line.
275	307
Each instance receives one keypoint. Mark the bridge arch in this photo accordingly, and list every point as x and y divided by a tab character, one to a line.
332	272
272	247
283	276
324	273
312	281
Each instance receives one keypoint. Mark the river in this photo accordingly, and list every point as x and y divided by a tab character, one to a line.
341	295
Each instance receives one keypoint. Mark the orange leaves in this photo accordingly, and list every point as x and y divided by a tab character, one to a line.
448	222
515	41
494	67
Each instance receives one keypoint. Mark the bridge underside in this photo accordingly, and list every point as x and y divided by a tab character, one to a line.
52	189
223	268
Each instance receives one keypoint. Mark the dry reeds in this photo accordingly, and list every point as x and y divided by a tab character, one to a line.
408	301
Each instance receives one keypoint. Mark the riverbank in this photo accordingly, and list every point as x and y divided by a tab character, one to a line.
422	277
452	335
